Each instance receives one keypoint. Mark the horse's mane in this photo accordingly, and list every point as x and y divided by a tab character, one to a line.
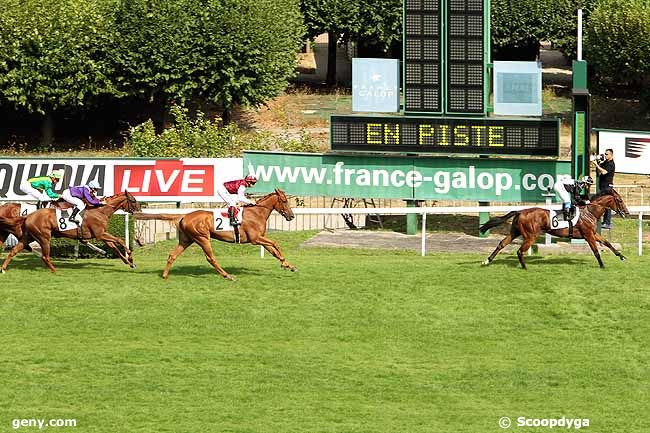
611	192
267	196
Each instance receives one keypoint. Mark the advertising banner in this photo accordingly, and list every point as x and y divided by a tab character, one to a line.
631	149
475	179
181	180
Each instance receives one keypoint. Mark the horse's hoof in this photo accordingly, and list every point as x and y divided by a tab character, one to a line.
294	269
133	266
485	263
2	271
623	258
230	277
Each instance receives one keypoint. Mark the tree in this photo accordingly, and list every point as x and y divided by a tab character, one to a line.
227	52
338	18
53	55
375	22
617	44
248	50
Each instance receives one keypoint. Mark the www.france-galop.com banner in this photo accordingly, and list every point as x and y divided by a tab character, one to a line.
424	178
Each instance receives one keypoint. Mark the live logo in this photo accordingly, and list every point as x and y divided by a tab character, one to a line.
165	178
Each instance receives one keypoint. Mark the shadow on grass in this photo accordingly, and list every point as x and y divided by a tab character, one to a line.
200	271
512	261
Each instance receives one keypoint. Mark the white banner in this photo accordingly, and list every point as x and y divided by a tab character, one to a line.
180	180
631	150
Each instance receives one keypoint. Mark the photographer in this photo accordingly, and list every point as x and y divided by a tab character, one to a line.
605	168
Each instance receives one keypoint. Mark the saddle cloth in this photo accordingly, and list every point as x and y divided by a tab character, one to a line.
557	223
222	221
62	222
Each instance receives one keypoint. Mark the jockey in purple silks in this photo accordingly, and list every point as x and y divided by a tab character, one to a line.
75	195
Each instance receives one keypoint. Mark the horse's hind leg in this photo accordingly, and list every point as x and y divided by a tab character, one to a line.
25	240
605	242
504	243
528	242
272	247
184	241
204	243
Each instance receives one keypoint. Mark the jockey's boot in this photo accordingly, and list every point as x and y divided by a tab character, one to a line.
73	217
566	213
232	214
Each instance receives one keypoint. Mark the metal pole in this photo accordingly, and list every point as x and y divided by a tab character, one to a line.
126	230
424	234
579	34
640	233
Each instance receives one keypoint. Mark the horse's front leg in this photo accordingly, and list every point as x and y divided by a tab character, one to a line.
111	240
605	242
591	240
273	248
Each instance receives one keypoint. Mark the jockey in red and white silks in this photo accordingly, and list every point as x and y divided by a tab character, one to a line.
235	191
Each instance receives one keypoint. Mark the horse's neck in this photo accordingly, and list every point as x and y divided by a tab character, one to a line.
266	206
111	206
597	210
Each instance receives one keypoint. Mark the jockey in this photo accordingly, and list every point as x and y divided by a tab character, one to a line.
42	187
75	195
571	193
238	187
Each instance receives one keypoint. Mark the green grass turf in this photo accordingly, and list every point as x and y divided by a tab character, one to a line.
356	341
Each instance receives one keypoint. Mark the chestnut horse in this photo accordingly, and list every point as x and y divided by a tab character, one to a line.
529	223
9	210
198	226
41	226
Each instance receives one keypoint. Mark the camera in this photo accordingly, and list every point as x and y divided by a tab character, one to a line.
598	158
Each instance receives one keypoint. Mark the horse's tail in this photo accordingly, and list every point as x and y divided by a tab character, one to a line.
158	216
497	221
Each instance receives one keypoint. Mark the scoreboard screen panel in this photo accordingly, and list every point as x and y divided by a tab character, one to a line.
485	136
422	56
465	56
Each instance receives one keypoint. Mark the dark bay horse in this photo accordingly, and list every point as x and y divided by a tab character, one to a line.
41	226
530	223
198	226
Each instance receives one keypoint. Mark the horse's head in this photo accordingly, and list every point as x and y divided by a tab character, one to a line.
612	200
621	208
282	205
132	205
124	201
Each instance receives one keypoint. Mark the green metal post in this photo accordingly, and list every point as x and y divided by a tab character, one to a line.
411	219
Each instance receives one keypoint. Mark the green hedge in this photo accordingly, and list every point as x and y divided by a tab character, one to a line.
200	137
66	247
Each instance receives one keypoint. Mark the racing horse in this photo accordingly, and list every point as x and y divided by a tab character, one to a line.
529	223
198	226
9	210
42	225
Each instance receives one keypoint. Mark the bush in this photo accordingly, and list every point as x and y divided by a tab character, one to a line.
62	247
200	137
